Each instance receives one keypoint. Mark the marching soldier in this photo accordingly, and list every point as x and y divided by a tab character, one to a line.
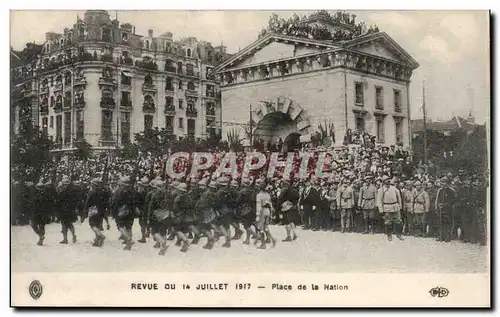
366	202
68	203
158	214
224	209
205	211
445	200
246	204
124	210
141	199
345	201
40	211
390	206
182	214
232	197
98	197
288	199
421	206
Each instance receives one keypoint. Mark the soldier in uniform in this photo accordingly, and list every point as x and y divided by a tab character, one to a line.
263	213
67	205
357	216
141	201
205	210
421	204
390	206
98	197
366	202
182	215
124	210
223	206
232	202
332	198
345	201
445	200
246	205
159	214
408	194
288	199
466	201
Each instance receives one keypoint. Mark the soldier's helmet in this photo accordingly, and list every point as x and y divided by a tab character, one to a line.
182	187
213	184
223	181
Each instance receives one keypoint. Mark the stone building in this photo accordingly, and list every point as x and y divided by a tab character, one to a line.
295	84
102	82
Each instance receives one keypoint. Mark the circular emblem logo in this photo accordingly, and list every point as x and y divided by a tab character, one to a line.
35	289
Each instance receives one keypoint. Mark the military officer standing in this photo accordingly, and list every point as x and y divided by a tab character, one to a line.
345	201
67	205
445	201
421	209
367	204
390	206
98	197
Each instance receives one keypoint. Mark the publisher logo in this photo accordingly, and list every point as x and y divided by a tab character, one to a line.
35	289
439	292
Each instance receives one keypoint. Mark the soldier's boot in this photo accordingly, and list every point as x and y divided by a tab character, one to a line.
178	243
196	239
227	244
101	241
185	246
237	234
96	242
210	244
262	241
121	237
388	232
367	225
163	248
142	240
129	244
190	235
157	245
171	236
40	240
398	228
65	238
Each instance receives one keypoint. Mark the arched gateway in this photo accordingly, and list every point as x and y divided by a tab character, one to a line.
281	119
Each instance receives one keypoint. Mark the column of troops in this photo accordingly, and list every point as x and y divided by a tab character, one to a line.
213	208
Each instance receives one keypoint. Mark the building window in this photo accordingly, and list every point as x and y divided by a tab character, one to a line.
169	66
169	122
169	85
148	80
181	104
191	127
169	101
210	107
148	122
210	128
51	122
126	80
59	129
106	35
45	122
80	125
359	91
52	101
179	67
190	70
124	37
379	98
126	101
360	124
147	44
180	84
190	86
380	130
125	128
397	100
106	124
399	132
188	53
181	123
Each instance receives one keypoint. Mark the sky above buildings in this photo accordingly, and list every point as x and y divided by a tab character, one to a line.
452	47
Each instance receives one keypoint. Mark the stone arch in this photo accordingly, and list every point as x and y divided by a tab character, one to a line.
279	119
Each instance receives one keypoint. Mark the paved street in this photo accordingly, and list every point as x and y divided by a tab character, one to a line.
312	252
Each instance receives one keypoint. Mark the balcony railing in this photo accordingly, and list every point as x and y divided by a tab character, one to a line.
44	90
126	104
58	86
397	108
191	112
107	81
79	103
80	81
146	65
192	93
44	109
170	69
211	112
149	87
107	58
108	103
125	61
169	129
147	107
210	94
170	110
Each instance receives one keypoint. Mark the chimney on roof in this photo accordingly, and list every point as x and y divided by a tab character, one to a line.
150	33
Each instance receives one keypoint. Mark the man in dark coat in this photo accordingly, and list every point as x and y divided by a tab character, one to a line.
67	207
182	212
158	214
232	202
141	205
205	211
223	207
98	198
309	202
445	203
40	211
